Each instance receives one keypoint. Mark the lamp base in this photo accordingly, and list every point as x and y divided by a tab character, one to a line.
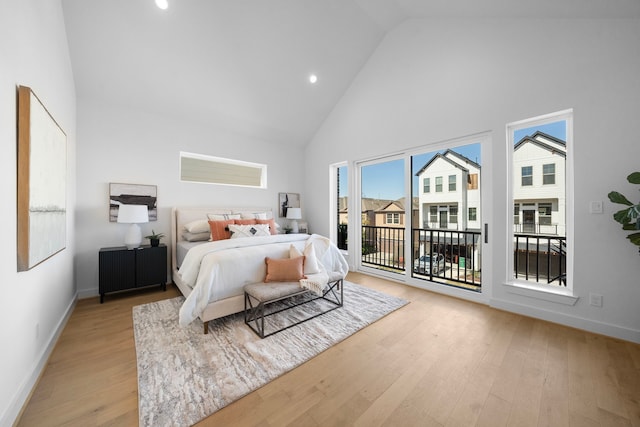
294	226
133	237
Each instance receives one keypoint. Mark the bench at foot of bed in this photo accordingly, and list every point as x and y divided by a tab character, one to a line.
259	296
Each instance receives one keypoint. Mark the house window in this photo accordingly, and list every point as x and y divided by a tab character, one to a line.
453	214
426	185
438	184
544	213
472	214
527	175
393	218
549	174
472	181
452	183
433	214
516	214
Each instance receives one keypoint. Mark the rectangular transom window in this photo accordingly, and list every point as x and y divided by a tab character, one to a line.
217	170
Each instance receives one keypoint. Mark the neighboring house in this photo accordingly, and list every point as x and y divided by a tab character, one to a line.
392	214
539	185
449	194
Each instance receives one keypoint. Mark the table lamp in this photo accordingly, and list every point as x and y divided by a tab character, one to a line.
134	215
294	214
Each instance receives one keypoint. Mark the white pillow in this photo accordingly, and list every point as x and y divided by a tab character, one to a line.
250	230
197	226
255	215
222	217
311	265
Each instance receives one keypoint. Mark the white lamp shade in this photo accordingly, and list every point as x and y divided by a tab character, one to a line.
294	213
133	214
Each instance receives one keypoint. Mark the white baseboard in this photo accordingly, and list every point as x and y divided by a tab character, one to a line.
602	328
20	399
88	293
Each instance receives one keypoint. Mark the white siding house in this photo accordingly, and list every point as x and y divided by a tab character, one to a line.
449	193
539	185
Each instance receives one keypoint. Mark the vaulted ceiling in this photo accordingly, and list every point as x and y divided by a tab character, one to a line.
243	65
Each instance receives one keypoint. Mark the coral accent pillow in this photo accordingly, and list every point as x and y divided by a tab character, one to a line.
284	270
245	221
270	222
220	229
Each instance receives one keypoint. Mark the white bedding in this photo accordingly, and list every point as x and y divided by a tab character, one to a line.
220	269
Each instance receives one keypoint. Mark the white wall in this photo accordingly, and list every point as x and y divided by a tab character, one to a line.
430	81
34	53
121	145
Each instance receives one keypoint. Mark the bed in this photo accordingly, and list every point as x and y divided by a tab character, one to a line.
212	275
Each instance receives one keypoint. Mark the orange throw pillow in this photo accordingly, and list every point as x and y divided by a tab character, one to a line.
270	222
245	221
220	229
284	270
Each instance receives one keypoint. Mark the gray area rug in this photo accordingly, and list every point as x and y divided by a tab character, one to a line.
185	375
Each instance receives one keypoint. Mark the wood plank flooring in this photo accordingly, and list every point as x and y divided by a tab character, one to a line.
438	361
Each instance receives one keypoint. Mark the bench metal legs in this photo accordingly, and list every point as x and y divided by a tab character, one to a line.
254	315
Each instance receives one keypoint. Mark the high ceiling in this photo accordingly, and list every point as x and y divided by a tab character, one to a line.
243	65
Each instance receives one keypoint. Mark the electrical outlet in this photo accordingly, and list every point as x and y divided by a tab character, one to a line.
596	207
595	300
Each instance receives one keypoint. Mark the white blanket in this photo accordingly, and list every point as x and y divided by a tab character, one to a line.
221	269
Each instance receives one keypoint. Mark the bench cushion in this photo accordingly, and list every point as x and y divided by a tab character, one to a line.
273	290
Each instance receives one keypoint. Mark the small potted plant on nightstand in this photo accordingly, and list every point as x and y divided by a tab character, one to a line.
154	238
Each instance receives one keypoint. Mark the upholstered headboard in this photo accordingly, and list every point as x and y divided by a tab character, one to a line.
184	215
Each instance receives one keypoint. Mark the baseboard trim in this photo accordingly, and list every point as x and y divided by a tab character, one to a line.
602	328
14	412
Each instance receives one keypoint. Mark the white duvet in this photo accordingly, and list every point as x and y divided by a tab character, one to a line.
220	269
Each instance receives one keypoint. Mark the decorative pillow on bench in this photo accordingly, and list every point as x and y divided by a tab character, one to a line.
284	270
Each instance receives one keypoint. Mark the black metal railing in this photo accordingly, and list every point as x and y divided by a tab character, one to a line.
383	246
540	258
342	236
537	258
461	251
535	228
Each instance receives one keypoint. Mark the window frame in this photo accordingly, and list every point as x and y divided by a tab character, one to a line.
562	295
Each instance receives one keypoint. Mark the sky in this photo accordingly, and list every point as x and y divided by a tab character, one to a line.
385	180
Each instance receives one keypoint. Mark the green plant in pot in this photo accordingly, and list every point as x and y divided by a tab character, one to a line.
629	217
154	238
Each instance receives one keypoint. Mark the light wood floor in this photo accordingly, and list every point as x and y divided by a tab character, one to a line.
438	361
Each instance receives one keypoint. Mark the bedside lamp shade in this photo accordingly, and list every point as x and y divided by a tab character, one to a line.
294	214
134	215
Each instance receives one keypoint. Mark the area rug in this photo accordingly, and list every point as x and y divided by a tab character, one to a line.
185	375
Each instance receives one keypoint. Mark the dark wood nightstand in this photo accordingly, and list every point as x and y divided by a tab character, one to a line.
125	269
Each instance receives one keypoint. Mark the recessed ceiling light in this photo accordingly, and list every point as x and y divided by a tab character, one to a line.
313	78
162	4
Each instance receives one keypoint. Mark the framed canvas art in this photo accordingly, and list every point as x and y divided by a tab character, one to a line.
132	194
287	200
42	182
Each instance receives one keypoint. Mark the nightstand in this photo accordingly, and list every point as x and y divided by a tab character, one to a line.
122	269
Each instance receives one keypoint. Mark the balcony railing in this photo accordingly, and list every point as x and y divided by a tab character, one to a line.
536	228
540	258
536	257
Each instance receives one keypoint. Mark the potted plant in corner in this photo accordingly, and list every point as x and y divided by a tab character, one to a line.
629	217
154	238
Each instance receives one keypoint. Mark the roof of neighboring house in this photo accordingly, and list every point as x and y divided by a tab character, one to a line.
400	204
455	163
557	146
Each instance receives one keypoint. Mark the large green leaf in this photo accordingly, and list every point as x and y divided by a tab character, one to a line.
616	197
634	178
622	216
635	238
